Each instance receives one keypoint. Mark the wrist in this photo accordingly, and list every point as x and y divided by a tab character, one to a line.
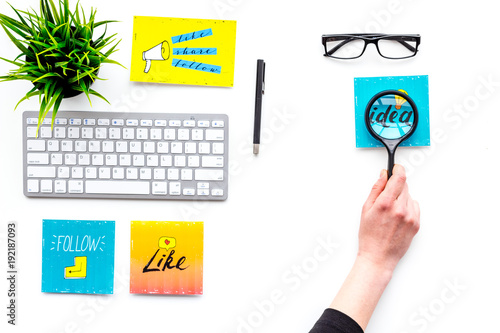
379	272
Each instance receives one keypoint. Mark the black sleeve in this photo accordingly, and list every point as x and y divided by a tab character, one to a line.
333	321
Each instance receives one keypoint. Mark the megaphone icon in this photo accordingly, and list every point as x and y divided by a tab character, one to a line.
159	52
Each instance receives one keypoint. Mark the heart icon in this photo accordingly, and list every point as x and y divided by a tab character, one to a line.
167	241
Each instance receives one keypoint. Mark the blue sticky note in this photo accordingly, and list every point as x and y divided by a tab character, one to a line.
417	88
78	256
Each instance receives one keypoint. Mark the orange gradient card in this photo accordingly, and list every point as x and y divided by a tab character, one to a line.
166	258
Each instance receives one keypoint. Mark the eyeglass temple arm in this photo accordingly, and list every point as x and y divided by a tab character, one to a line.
408	46
339	46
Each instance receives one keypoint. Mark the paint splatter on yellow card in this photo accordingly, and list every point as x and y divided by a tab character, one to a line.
183	51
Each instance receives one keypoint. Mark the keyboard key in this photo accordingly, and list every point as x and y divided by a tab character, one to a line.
189	123
145	173
80	146
41	172
218	123
214	135
38	158
173	174
45	132
132	122
35	145
73	132
115	133
188	191
174	188
204	148
60	186
194	161
70	159
169	134
160	123
218	148
56	159
159	188
103	122
203	123
52	145
176	148
132	173
187	174
61	121
101	133
75	186
174	123
31	132
162	147
155	134
33	186
183	134
128	133
117	122
118	173
98	159
142	134
152	160
91	173
217	192
146	122
121	147
208	174
166	160
75	121
67	146
159	174
89	122
212	161
84	159
63	172
60	132
87	133
77	172
111	159
104	173
135	147
138	160
197	134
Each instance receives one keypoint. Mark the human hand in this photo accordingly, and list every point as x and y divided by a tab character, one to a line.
389	220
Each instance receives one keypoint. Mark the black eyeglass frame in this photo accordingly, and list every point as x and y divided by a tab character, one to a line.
370	39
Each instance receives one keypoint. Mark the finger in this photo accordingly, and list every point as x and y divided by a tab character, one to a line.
396	184
404	197
377	189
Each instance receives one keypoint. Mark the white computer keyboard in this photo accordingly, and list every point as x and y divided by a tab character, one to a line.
126	155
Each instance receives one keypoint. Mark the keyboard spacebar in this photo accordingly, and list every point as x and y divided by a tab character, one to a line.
116	187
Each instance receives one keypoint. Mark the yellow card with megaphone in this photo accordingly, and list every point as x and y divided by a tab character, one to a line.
183	51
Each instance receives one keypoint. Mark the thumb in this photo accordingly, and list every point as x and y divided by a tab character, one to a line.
376	189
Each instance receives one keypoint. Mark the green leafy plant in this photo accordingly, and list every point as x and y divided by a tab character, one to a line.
59	53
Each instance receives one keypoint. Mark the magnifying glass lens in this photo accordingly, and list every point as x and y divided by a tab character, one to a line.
391	117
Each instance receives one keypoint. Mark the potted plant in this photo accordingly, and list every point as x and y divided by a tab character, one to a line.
59	52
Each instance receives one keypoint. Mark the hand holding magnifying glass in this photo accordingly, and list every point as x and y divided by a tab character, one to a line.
391	117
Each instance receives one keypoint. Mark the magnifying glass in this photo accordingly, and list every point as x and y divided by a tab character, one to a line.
391	117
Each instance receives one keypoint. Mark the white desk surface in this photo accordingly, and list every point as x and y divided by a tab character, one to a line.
264	268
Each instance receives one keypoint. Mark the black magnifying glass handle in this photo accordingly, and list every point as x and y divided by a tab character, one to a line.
390	164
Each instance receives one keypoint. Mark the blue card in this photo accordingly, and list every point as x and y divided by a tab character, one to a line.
78	256
417	87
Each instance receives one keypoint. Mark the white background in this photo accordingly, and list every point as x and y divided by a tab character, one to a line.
265	267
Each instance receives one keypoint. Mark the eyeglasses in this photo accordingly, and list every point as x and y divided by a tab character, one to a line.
352	46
